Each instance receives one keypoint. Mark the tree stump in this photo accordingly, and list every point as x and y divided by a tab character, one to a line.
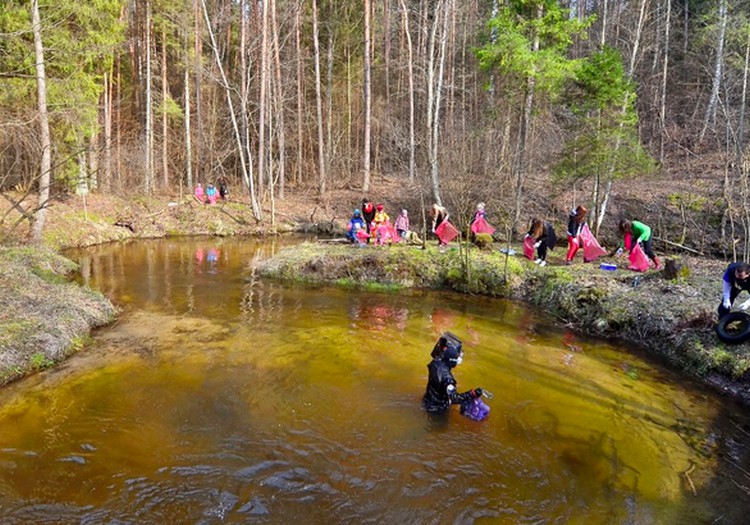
676	269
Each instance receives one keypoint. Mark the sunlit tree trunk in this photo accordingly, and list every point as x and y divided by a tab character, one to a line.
713	102
664	76
367	102
246	175
262	102
106	179
631	68
410	77
197	41
164	98
519	166
45	166
188	131
300	100
148	186
319	103
279	103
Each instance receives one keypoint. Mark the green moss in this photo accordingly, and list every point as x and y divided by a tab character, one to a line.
39	361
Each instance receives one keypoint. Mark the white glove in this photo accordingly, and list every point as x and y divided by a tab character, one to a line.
726	303
744	306
618	252
537	244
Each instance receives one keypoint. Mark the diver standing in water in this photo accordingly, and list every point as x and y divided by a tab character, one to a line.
441	390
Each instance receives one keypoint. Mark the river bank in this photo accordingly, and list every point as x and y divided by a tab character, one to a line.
672	319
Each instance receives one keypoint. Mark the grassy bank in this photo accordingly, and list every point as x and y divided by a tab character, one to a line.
672	319
43	317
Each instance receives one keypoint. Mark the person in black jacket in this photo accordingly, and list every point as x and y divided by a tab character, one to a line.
544	237
736	278
441	390
368	214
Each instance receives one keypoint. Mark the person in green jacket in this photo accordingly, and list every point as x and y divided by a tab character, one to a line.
639	234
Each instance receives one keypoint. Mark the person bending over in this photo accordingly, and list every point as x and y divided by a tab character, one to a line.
736	278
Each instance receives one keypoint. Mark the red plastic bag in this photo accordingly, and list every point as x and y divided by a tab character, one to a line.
528	248
638	260
482	226
446	232
627	239
591	247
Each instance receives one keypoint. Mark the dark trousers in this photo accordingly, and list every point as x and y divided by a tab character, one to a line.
732	296
648	249
541	252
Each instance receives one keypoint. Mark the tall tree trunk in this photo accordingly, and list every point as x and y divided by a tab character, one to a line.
410	65
713	102
148	185
246	175
164	98
367	101
106	179
279	102
519	166
319	104
440	79
664	76
329	101
198	46
188	132
626	101
262	102
44	135
300	105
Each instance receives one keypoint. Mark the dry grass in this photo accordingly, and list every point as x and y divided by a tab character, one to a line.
43	317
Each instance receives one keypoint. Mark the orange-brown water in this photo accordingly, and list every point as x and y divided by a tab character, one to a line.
222	398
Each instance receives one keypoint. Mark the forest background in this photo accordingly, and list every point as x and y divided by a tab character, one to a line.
634	108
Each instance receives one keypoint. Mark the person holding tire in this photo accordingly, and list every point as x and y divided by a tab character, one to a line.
736	278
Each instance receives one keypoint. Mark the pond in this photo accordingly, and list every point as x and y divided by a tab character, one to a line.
220	397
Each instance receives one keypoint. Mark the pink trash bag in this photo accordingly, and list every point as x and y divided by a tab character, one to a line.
638	260
446	232
528	248
482	226
591	247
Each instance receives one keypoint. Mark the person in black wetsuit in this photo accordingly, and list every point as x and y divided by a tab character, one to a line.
441	390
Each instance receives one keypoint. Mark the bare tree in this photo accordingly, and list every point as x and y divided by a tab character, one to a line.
319	104
710	118
148	185
410	76
233	116
367	102
44	135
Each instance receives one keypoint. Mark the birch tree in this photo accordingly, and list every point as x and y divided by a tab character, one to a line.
367	102
710	117
45	143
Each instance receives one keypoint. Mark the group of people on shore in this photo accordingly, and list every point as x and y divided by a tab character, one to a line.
211	194
635	236
371	224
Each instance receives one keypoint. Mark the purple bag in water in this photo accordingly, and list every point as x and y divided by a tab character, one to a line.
475	409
